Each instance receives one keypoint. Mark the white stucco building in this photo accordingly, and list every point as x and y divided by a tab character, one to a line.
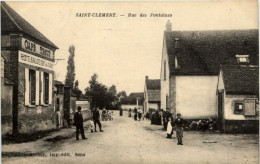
190	66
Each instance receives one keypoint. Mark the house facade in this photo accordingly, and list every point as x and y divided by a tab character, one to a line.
152	94
238	98
29	67
190	66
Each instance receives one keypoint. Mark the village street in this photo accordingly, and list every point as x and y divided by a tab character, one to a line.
127	141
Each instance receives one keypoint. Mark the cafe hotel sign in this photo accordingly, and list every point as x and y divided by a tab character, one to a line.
36	48
33	60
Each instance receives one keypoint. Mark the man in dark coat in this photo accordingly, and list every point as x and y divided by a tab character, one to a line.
179	123
96	120
78	120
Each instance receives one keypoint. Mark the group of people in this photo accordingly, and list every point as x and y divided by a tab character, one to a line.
78	121
179	123
137	114
106	115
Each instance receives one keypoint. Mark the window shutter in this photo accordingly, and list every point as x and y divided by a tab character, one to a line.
42	85
50	88
250	107
27	86
32	86
37	97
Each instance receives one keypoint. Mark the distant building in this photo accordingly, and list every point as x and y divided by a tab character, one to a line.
238	98
152	94
191	63
28	65
135	100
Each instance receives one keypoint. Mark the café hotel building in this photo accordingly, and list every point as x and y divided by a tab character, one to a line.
27	62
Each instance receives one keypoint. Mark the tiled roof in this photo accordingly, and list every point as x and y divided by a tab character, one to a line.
136	94
202	52
153	84
11	21
241	79
154	95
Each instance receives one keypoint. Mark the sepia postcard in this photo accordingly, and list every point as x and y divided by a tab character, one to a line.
114	82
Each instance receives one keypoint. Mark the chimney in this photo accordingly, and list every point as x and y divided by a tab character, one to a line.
146	77
168	26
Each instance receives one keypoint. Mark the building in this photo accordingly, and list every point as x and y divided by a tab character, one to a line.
28	65
59	101
238	98
152	94
6	101
190	66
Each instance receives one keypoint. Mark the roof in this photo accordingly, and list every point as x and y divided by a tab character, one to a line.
241	79
154	95
136	94
153	84
11	21
202	52
58	82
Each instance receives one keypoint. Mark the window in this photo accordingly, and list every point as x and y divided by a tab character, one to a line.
32	87
46	88
167	101
242	58
164	70
239	108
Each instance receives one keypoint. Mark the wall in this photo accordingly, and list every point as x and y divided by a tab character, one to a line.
164	83
196	96
6	108
153	105
86	112
229	107
145	98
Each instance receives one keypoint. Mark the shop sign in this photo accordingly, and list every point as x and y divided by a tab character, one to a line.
35	61
36	48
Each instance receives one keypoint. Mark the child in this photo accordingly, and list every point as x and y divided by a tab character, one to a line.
169	128
179	122
91	125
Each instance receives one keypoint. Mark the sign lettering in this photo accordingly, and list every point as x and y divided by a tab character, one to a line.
35	61
36	48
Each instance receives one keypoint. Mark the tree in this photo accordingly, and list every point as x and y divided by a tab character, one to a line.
76	90
70	76
97	92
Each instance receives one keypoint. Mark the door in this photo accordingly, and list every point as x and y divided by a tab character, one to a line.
221	123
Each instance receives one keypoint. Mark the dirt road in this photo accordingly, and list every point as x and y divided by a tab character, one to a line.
127	141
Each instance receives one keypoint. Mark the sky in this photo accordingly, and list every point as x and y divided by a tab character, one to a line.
123	50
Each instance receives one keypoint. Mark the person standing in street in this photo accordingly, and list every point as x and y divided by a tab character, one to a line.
179	123
96	119
78	120
135	114
169	131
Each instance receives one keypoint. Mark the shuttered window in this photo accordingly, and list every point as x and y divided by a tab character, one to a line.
46	88
32	86
249	107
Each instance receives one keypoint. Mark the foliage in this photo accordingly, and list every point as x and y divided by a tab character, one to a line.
100	95
76	90
70	76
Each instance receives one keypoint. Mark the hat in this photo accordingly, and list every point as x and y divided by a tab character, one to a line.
178	114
